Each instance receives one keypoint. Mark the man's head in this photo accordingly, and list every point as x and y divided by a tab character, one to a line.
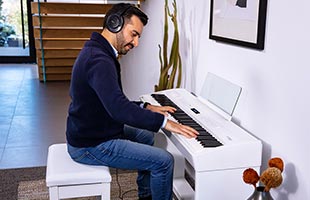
126	22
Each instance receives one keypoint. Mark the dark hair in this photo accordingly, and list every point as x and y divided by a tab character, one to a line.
125	10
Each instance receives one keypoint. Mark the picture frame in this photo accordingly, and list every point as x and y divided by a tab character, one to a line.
239	22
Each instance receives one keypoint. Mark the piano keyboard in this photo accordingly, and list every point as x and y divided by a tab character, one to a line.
204	137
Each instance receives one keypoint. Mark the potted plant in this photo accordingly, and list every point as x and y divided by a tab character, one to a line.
170	62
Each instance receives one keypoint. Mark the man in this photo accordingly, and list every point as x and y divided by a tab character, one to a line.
101	120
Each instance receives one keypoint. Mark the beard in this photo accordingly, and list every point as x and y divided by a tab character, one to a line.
124	49
122	46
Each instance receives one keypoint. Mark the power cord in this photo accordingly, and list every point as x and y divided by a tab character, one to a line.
120	194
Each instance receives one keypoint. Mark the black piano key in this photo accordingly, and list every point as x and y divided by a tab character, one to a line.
205	137
181	115
179	111
191	124
178	116
186	121
210	143
204	133
201	132
199	129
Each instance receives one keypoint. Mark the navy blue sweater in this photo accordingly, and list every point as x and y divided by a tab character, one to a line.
99	109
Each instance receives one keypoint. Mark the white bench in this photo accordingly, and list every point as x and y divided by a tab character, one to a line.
66	178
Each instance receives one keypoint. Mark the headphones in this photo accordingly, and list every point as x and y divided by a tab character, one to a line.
115	22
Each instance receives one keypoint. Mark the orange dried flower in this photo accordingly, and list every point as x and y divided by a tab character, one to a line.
271	178
250	176
276	162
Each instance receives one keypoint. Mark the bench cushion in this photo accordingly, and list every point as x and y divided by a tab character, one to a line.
62	170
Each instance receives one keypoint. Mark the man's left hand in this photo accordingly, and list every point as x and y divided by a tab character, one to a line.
161	109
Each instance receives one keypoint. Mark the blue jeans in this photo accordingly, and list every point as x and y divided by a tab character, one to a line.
134	152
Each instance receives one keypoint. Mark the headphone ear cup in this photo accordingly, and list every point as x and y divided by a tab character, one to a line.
115	23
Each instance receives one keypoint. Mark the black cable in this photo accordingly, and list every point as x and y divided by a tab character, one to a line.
120	194
22	18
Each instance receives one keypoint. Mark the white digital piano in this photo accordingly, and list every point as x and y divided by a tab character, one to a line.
209	167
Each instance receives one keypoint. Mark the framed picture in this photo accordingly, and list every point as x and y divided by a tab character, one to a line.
240	22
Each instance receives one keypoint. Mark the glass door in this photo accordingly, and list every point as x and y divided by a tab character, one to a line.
16	34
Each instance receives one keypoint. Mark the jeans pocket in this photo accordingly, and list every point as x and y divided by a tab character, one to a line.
82	156
76	153
91	155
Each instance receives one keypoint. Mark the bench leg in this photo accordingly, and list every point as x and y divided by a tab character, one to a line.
53	193
106	190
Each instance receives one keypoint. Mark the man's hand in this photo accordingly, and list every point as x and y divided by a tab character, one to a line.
161	109
181	129
171	125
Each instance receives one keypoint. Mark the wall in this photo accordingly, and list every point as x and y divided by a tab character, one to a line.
274	105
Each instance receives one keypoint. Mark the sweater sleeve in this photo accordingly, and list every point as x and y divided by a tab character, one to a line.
103	79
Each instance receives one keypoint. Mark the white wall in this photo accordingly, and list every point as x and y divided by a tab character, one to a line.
275	103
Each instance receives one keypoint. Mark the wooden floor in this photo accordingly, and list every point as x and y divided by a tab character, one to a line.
32	116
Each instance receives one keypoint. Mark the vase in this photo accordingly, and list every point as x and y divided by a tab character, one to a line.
260	194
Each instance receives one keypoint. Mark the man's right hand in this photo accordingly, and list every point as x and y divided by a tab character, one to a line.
181	129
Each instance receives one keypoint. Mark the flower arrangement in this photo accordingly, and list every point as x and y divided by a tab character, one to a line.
270	178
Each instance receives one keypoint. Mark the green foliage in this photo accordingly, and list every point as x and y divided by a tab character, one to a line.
11	22
172	67
1	17
5	31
